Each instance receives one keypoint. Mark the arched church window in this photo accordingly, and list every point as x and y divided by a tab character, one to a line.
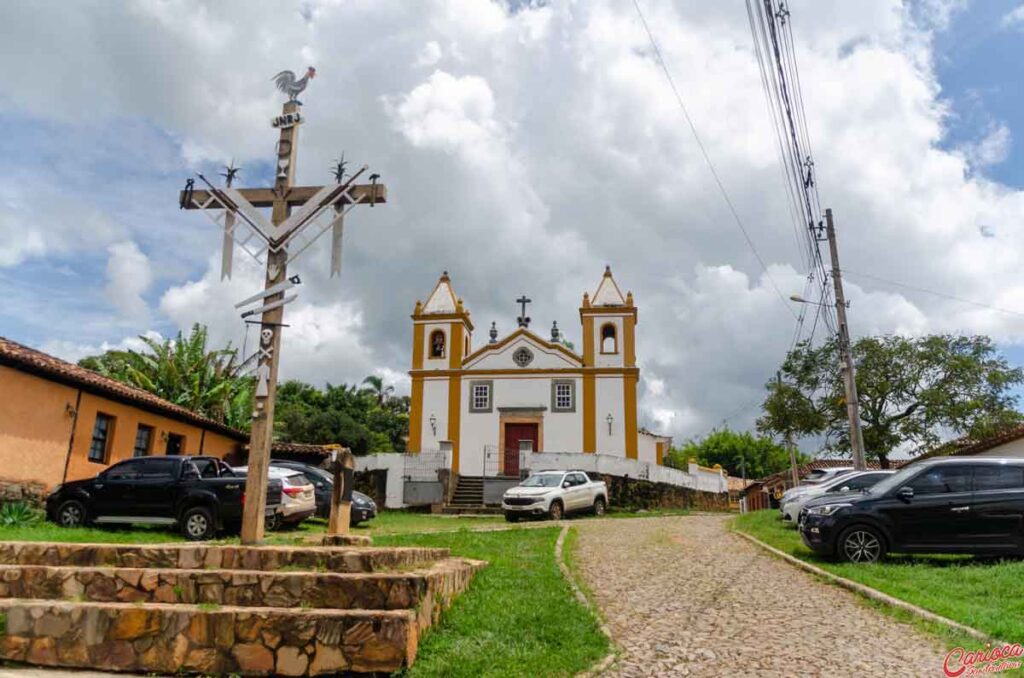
437	344
609	340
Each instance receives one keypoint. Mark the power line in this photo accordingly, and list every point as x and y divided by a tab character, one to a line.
707	159
951	297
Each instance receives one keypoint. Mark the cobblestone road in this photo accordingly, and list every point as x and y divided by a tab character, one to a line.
682	596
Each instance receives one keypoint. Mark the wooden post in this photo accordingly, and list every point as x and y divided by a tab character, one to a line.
845	353
343	466
263	418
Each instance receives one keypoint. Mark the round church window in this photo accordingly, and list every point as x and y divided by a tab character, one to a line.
522	357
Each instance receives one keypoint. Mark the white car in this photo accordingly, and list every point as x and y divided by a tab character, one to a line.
814	478
554	494
298	499
848	482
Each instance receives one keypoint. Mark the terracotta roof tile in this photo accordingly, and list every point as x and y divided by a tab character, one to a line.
21	357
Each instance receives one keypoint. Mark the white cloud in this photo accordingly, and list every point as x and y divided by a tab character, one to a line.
992	149
523	151
73	352
129	275
1014	18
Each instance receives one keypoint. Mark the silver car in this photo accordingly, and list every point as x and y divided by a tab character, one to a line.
848	482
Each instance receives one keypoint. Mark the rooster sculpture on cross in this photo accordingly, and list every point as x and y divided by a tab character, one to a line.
292	86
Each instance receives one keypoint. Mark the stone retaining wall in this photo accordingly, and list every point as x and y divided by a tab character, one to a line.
32	493
634	494
169	639
202	556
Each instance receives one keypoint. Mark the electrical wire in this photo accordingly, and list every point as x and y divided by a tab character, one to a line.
943	295
707	160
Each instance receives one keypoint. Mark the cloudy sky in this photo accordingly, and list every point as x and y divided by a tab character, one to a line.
524	146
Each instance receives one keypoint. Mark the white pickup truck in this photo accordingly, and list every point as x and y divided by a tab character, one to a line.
554	494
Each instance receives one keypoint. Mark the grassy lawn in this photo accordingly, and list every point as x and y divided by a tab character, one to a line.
519	617
986	594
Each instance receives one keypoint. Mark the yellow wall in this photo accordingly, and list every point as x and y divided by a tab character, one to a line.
35	424
35	430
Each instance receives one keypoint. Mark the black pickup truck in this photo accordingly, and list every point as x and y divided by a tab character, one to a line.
200	495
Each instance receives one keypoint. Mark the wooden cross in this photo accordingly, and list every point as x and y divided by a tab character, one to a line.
523	320
237	204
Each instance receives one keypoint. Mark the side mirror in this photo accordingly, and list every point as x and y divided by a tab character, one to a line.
190	474
905	493
844	488
566	485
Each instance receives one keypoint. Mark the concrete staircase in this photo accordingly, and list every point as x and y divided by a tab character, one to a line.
469	498
292	611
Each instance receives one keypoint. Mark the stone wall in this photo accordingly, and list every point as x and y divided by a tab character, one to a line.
32	493
634	494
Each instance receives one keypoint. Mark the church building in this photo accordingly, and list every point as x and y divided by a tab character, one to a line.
524	392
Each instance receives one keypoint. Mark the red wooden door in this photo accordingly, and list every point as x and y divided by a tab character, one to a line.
514	434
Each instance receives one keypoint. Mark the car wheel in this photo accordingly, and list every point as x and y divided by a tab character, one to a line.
511	518
71	513
197	524
861	544
599	507
556	511
272	522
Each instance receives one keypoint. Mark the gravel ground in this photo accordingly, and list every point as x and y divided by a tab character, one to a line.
682	596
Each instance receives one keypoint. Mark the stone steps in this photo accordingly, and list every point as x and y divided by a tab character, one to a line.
369	591
165	639
197	556
222	608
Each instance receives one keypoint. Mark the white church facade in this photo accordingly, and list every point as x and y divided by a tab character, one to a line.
496	401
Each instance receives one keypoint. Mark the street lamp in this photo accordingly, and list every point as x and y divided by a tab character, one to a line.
433	424
609	419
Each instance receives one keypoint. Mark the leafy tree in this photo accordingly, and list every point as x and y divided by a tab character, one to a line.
356	417
185	372
729	448
378	389
911	392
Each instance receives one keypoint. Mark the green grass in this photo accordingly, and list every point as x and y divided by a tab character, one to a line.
45	531
986	594
519	616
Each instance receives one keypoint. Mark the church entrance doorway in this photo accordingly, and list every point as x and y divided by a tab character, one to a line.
514	435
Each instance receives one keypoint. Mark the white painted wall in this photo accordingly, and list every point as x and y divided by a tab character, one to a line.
610	394
562	430
501	358
647	448
435	402
697	479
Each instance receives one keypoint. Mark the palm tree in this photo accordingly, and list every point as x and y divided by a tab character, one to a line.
184	372
381	392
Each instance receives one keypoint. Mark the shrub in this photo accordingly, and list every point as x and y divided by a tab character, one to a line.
18	514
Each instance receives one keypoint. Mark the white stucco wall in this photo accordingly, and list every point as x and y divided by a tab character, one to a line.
561	430
501	358
646	449
610	394
435	402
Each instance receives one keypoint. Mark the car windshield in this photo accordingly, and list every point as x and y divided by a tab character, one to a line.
543	480
894	481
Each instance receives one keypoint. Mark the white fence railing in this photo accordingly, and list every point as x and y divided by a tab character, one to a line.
425	465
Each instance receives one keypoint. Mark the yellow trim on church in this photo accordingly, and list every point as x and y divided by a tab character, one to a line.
415	443
629	413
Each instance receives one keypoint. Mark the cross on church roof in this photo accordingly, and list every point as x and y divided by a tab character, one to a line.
524	321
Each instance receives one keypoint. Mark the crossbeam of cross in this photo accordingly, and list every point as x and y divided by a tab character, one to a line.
275	242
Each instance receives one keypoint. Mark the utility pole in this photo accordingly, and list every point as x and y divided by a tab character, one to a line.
845	354
275	243
794	475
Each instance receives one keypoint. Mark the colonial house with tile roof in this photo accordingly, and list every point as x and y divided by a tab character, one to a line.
61	422
494	401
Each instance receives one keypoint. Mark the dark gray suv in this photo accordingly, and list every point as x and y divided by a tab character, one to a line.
948	505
